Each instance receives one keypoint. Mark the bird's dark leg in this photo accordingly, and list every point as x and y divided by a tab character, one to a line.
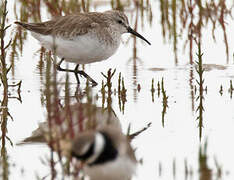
82	73
58	66
76	72
76	75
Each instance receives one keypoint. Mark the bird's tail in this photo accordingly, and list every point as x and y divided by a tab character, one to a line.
35	27
24	25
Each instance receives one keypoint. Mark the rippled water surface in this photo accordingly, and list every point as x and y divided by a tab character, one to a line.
188	115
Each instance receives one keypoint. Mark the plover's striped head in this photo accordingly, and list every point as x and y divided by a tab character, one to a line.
94	148
106	154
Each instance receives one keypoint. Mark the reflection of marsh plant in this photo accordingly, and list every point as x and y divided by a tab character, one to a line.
205	171
164	102
152	90
221	90
230	90
108	84
158	88
122	93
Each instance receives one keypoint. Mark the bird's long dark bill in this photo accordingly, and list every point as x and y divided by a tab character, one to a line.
130	30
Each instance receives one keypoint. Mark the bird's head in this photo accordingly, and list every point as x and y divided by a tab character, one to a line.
120	20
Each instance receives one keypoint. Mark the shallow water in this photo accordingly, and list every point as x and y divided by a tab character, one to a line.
169	148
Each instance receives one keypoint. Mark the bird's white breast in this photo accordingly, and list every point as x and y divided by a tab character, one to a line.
82	49
121	168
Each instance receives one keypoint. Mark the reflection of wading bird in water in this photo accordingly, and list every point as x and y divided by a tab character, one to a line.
105	152
82	38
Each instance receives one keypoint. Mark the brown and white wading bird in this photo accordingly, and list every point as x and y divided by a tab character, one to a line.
82	38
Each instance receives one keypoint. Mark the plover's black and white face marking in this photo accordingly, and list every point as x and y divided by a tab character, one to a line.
105	150
100	150
106	154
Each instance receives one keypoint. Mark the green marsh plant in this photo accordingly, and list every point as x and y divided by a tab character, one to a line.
4	76
200	98
5	68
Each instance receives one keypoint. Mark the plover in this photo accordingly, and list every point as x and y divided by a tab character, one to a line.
106	154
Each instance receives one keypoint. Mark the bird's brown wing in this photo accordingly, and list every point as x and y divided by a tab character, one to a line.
35	27
65	26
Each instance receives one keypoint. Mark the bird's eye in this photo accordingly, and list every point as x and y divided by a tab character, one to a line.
120	21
